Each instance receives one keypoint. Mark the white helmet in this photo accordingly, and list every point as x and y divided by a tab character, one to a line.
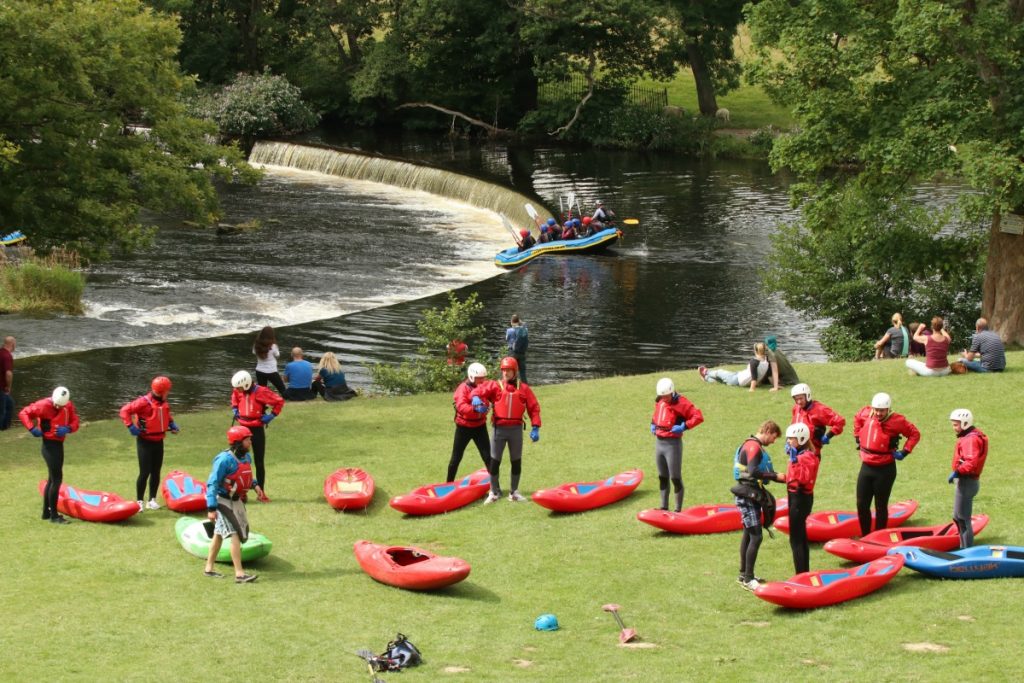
61	396
799	431
963	416
801	389
242	380
665	387
475	370
881	401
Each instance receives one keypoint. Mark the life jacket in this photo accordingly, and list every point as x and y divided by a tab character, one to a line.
511	404
664	417
239	481
159	419
803	474
467	417
970	453
739	463
875	441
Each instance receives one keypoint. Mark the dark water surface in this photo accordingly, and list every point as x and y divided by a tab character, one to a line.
682	288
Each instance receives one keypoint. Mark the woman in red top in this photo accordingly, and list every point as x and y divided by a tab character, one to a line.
673	415
801	475
878	430
968	461
936	351
148	418
249	403
470	420
52	419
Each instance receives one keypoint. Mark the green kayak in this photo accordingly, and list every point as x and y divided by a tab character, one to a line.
192	537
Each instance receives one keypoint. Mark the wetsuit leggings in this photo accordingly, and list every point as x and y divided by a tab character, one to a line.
463	435
151	459
750	544
513	436
53	455
963	508
273	377
800	505
259	448
874	482
668	458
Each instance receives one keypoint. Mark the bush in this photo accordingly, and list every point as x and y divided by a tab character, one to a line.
843	344
41	284
256	106
430	370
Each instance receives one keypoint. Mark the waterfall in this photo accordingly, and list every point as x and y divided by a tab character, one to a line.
405	174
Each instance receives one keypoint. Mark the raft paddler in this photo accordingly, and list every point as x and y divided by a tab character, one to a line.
254	406
526	240
230	479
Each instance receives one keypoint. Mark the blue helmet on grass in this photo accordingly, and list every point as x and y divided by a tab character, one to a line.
546	622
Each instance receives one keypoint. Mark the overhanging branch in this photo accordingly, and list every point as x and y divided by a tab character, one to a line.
491	130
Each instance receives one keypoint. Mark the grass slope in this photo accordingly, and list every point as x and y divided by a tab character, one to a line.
125	602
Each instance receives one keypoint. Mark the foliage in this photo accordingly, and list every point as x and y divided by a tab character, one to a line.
53	283
429	370
73	76
856	258
257	106
842	344
763	139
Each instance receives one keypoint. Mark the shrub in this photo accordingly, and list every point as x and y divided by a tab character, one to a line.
41	284
256	106
843	344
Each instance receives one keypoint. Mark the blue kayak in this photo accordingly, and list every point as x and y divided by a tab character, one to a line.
512	257
978	562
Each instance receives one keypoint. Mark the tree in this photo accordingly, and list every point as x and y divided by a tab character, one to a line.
74	74
708	30
895	93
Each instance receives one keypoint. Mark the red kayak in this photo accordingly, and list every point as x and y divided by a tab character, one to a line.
92	506
703	519
821	588
825	526
581	496
437	498
942	537
349	488
408	567
183	493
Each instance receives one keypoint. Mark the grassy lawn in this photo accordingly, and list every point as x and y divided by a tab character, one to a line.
125	602
748	105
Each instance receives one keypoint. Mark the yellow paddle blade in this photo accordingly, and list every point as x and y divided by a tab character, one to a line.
631	221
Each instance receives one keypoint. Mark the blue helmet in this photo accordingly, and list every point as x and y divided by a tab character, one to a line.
544	228
551	221
546	622
576	222
567	224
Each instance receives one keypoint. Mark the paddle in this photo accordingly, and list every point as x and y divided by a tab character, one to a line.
533	214
561	207
515	235
631	221
572	200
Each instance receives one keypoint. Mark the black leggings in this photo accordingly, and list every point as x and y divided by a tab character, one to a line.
53	455
259	448
749	547
151	459
874	482
800	505
273	377
463	435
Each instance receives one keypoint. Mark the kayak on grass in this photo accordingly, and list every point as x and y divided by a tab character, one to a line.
829	587
193	538
433	499
976	562
183	493
825	526
581	496
703	519
877	543
92	506
409	567
349	488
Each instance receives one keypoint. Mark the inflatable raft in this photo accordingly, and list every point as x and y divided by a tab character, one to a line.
12	238
409	567
703	519
581	496
193	538
825	526
92	506
822	588
977	562
349	488
877	543
437	498
183	493
599	241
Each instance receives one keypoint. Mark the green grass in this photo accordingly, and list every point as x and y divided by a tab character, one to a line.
53	284
749	106
125	602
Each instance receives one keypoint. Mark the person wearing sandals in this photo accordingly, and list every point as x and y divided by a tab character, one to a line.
230	479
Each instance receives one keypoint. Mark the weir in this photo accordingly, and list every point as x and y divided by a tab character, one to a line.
356	166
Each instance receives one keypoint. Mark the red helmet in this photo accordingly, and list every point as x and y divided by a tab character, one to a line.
160	385
586	220
524	232
237	433
509	363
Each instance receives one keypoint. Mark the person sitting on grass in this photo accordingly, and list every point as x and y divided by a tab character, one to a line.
936	351
230	479
755	371
298	373
330	382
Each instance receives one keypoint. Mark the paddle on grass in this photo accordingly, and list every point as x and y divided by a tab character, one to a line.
626	634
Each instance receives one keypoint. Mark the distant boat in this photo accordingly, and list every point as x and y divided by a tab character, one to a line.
12	238
599	241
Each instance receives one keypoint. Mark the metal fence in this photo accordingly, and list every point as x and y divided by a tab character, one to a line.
572	90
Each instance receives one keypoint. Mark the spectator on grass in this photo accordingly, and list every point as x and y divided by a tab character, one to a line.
895	343
6	382
330	382
299	375
936	345
987	353
755	371
265	349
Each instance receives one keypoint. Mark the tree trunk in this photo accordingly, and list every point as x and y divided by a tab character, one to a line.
1003	290
706	101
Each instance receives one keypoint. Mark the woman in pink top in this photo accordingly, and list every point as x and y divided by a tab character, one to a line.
936	350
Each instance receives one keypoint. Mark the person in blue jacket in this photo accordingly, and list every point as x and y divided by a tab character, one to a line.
230	479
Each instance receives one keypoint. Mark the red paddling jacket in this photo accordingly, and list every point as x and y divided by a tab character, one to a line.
465	416
511	400
877	439
672	410
48	417
252	404
802	474
819	418
970	453
151	414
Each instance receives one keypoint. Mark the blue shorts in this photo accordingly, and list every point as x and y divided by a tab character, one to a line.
750	512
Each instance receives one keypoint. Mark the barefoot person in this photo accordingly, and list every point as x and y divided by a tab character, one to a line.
230	478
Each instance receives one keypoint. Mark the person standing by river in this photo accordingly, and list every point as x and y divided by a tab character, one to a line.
6	381
148	418
518	340
52	419
249	404
267	353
